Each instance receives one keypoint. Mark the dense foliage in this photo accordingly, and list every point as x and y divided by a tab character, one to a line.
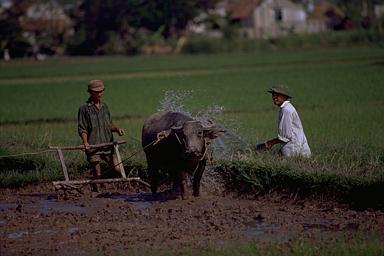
136	26
127	23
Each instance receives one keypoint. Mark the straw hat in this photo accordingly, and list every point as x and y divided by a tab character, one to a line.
280	89
95	85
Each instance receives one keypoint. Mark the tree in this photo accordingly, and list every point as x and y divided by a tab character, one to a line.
99	21
27	26
358	8
10	29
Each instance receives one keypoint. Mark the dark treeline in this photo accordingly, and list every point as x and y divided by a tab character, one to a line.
95	26
129	24
101	27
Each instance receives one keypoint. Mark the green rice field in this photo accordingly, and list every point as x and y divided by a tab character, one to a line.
339	95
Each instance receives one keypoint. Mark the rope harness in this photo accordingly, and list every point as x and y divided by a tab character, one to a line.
157	140
154	142
207	144
28	153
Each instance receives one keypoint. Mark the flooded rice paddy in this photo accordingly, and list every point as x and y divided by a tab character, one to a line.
35	222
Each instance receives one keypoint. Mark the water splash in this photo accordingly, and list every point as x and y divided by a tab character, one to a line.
211	114
174	101
229	146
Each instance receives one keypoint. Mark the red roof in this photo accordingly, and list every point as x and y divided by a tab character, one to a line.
241	9
324	9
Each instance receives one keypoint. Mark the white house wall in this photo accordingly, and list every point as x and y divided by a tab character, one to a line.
379	10
265	25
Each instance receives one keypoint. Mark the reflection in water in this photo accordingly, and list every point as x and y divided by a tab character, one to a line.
138	201
141	200
17	234
73	229
21	233
59	206
257	228
4	206
267	232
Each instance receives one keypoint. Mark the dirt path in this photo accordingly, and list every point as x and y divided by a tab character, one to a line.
34	222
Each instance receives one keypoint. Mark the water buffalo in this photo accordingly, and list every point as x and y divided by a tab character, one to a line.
176	143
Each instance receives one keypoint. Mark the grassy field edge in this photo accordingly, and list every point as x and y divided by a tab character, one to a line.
248	177
251	178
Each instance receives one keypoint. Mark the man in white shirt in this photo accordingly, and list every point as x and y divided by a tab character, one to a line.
290	132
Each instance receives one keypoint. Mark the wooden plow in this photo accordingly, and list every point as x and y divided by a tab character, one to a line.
76	185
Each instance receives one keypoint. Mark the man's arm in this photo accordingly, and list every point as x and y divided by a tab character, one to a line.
116	129
84	138
284	130
270	143
82	127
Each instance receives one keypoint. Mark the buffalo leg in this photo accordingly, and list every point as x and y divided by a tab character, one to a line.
154	181
197	178
153	177
183	185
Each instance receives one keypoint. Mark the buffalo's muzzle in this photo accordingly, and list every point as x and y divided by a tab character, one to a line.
193	154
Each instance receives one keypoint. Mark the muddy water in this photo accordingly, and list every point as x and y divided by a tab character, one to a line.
117	223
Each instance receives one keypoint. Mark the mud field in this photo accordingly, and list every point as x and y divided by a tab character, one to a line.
33	221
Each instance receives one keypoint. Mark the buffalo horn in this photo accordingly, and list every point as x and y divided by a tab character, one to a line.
176	128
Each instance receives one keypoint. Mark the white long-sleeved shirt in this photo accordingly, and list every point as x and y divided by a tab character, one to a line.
291	132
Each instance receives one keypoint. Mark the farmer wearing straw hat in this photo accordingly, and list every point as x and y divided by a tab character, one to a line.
290	132
95	126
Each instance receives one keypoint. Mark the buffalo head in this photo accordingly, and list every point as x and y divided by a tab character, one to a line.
195	137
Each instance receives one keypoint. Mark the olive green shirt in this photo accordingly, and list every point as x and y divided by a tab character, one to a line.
96	123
